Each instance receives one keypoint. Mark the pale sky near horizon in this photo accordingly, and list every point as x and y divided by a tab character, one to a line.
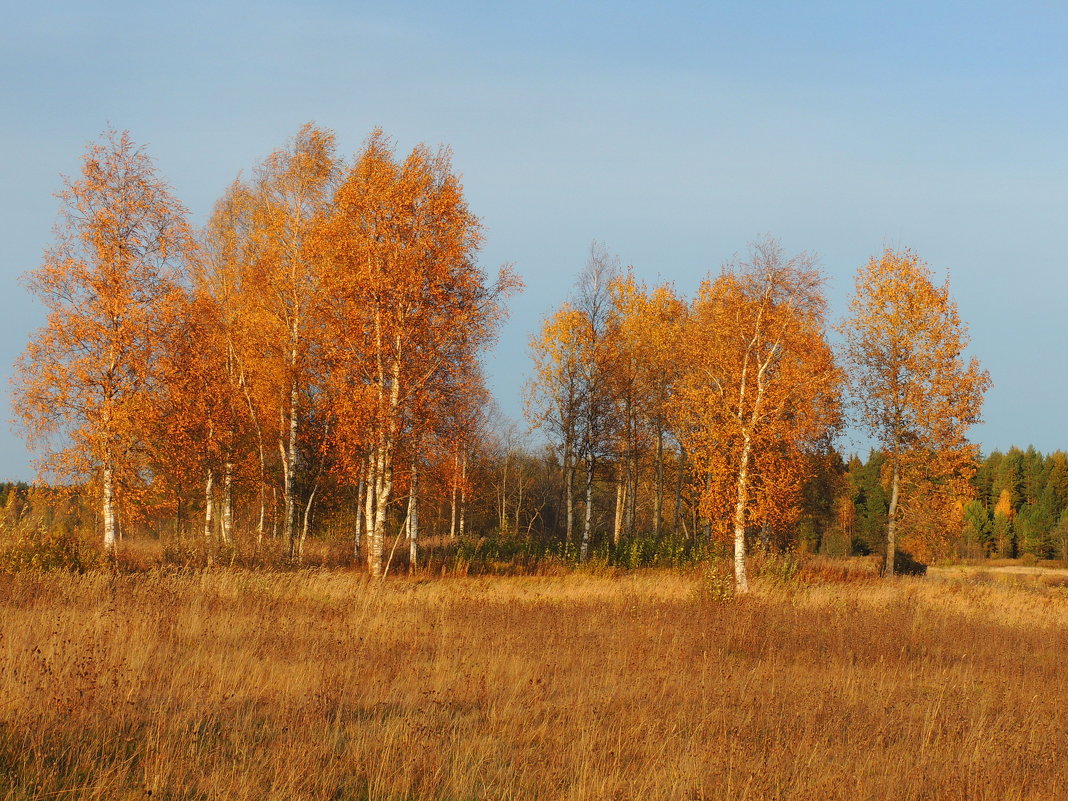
676	133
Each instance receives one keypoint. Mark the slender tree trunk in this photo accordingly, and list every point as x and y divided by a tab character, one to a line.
209	504
452	512
463	492
519	493
384	465
383	487
630	490
741	581
658	491
621	499
361	488
108	511
413	519
695	509
378	527
369	507
228	504
259	444
274	513
891	525
569	481
630	493
680	471
502	511
263	498
306	522
587	523
291	470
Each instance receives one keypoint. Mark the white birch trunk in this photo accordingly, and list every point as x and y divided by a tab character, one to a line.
263	499
630	496
463	492
228	504
209	504
569	480
741	580
680	471
108	511
369	506
621	499
306	522
587	523
891	525
383	488
361	489
502	511
519	494
413	520
452	511
384	468
377	521
274	513
658	492
290	472
452	515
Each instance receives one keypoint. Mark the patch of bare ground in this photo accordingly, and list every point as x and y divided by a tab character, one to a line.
321	685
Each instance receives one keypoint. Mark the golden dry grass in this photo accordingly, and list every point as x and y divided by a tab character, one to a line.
322	685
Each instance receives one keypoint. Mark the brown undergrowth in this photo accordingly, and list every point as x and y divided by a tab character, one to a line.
230	684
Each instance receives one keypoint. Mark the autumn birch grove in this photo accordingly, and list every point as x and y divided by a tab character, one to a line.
307	371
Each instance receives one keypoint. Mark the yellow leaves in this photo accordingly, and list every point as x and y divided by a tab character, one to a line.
913	390
1004	505
904	345
87	376
758	382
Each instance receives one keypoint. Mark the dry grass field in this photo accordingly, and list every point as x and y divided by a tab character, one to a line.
232	684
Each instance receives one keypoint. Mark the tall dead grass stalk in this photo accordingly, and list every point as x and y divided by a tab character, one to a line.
323	685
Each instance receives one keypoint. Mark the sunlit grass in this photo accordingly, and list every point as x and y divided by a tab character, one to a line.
233	684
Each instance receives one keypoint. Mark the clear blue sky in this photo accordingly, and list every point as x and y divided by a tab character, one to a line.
675	133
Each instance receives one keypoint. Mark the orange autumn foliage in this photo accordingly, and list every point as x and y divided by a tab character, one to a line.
407	310
82	387
643	329
914	392
759	387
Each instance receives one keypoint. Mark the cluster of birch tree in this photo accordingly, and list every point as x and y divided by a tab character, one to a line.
738	393
321	336
325	326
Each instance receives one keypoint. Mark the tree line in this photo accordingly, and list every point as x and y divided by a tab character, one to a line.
738	393
312	358
325	326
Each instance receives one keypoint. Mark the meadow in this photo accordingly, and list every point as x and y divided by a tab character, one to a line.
592	684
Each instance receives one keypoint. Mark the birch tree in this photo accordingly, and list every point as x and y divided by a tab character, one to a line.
280	294
553	400
758	387
82	384
645	325
228	248
597	420
910	383
410	308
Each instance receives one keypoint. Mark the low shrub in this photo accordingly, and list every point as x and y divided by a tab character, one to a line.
41	549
